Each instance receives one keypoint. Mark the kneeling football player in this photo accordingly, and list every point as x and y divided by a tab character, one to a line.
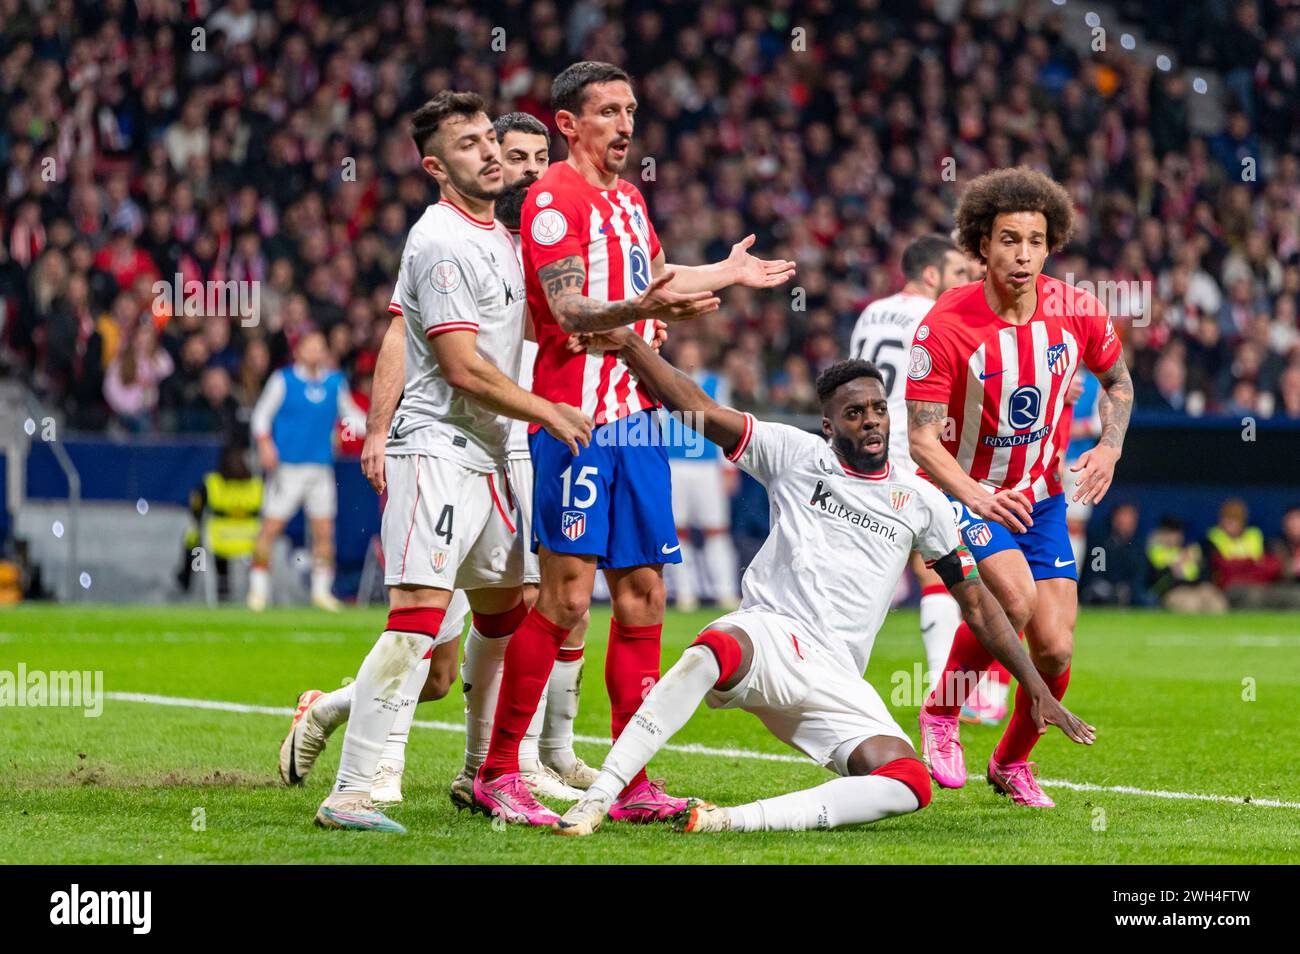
843	524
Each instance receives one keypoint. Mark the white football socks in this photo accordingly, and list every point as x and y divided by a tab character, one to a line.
387	675
940	617
322	580
720	558
394	751
259	583
852	800
685	586
667	708
332	709
560	708
528	745
480	679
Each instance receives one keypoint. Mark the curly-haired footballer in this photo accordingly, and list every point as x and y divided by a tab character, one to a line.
988	378
843	524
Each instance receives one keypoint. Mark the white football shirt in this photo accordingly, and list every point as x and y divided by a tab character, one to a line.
457	274
883	336
839	539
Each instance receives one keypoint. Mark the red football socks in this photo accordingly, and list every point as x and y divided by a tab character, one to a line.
631	671
967	656
1021	735
528	662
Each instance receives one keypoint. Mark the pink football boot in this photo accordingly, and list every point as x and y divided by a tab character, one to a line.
941	749
508	798
646	803
1017	780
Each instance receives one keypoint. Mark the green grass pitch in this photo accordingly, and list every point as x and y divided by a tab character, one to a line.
1182	705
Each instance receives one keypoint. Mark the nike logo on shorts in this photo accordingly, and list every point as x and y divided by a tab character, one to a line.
666	549
1060	564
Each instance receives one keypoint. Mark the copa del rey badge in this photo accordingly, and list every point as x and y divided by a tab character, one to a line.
573	524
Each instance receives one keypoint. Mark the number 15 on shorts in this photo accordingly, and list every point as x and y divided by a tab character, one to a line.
578	492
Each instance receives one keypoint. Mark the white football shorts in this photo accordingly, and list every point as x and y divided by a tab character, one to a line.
521	487
804	696
309	486
699	496
447	526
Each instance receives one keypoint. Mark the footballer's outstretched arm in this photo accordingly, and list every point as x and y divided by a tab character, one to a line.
466	369
991	627
562	283
925	423
718	423
1114	407
739	268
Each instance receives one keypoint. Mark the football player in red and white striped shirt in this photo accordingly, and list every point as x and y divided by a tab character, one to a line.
592	262
989	370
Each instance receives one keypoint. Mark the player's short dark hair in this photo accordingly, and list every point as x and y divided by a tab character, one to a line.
569	89
520	122
841	373
426	120
923	252
1003	191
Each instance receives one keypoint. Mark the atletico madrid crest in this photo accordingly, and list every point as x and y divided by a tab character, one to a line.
898	498
1058	359
573	524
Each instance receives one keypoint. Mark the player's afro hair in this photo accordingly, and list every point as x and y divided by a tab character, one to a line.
426	120
519	122
569	89
1002	191
841	373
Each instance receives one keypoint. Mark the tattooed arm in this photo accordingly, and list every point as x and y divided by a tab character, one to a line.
563	281
1114	407
925	423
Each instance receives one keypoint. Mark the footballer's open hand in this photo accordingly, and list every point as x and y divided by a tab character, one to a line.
757	272
1046	710
611	340
568	424
1010	508
659	303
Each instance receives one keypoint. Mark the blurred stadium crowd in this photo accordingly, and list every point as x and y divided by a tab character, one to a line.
266	142
278	153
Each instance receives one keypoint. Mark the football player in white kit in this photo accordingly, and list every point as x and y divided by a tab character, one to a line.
448	523
844	521
548	763
883	335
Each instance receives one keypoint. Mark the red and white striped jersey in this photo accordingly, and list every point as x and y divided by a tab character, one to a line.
1004	385
564	215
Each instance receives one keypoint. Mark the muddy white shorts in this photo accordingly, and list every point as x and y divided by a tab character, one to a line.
521	488
804	696
310	487
447	526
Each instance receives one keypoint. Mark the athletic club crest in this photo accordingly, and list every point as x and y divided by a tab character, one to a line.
1058	359
898	498
438	559
979	535
573	524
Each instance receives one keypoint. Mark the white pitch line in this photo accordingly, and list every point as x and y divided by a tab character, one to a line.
693	749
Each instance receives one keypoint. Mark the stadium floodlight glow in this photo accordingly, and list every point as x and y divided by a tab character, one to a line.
1200	85
1126	40
1163	63
1092	19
